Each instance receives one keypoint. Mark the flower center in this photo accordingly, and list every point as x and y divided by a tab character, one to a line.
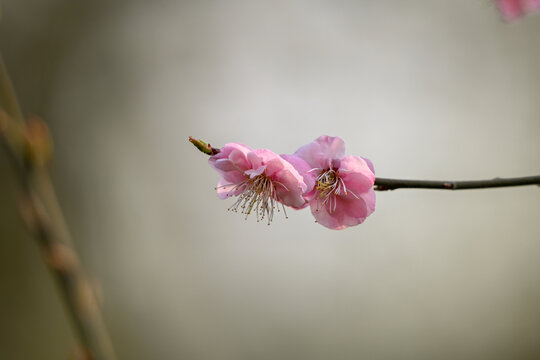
259	196
329	186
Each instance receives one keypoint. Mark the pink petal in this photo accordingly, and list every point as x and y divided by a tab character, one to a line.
319	153
239	159
354	211
370	165
254	160
289	184
224	165
225	188
254	172
349	211
228	148
322	216
235	153
230	163
357	174
531	5
230	173
289	188
233	177
303	169
281	170
273	161
369	200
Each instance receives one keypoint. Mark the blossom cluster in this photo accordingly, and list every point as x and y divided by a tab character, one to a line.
337	188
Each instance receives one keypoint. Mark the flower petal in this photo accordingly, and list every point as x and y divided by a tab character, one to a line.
345	212
254	172
289	188
289	184
319	153
324	217
510	9
303	169
369	164
230	163
254	160
531	5
356	174
233	156
226	189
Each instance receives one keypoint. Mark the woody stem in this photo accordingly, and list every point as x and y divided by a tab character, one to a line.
383	184
43	217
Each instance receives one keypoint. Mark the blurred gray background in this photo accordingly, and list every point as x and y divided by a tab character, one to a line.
426	89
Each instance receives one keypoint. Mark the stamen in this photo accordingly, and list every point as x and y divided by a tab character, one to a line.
354	195
258	195
343	184
284	211
329	186
277	182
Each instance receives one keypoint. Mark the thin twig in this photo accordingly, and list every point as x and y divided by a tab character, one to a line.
383	184
29	146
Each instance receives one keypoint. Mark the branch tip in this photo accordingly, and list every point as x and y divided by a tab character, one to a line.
203	147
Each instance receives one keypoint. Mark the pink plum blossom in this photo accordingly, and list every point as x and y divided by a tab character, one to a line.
259	178
342	193
513	9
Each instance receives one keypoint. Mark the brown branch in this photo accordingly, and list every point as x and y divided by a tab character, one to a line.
383	184
29	147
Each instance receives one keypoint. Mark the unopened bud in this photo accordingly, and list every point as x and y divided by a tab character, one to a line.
203	147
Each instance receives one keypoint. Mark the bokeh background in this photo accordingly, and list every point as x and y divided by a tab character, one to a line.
425	89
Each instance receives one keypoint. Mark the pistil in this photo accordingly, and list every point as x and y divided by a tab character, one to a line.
329	186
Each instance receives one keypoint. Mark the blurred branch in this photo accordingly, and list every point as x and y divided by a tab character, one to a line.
383	184
29	147
8	100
